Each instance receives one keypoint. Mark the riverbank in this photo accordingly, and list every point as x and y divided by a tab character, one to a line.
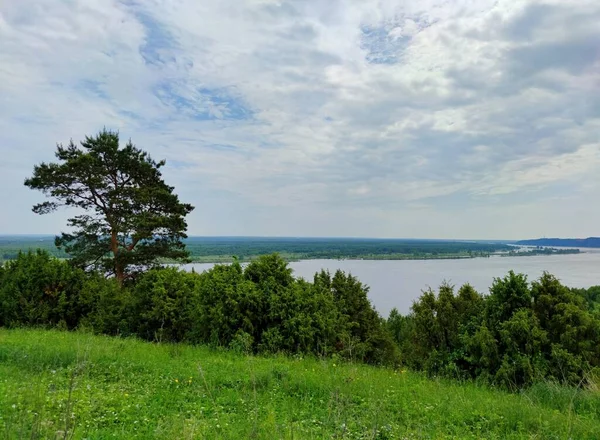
216	259
223	249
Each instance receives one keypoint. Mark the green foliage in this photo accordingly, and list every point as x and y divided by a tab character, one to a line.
513	337
360	332
507	295
261	308
220	249
108	304
439	325
402	328
227	303
242	342
132	218
36	289
591	296
163	301
270	272
302	319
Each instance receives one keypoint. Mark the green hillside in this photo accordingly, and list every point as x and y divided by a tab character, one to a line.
74	385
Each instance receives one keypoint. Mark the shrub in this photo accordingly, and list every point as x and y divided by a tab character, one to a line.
515	336
39	290
163	301
227	302
109	305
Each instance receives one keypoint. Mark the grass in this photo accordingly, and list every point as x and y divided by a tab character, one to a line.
75	385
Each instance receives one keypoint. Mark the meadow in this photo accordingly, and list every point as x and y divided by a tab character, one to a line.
75	385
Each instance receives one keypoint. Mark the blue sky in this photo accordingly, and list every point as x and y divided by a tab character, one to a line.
429	118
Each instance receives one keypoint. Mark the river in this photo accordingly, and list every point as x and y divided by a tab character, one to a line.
397	283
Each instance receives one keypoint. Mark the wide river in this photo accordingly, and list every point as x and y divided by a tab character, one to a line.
397	283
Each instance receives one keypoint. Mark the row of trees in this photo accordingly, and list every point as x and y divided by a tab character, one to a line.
519	333
259	308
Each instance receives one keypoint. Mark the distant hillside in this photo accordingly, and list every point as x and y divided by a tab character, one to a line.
590	242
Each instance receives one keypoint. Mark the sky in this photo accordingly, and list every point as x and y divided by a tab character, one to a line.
415	119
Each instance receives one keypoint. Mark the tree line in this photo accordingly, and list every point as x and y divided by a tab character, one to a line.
256	309
517	334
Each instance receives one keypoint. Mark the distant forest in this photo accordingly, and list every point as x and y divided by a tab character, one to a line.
590	242
245	248
223	249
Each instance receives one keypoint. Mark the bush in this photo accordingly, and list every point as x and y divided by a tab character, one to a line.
163	301
263	308
517	335
226	303
109	305
242	342
39	290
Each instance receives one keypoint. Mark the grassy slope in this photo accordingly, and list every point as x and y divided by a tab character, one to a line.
126	389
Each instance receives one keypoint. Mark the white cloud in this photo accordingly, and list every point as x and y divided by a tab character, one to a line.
580	166
293	115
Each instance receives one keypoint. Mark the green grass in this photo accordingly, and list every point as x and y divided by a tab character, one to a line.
74	385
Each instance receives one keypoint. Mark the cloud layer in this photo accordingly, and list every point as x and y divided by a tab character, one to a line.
429	118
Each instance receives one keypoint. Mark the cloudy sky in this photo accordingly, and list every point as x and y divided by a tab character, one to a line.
372	118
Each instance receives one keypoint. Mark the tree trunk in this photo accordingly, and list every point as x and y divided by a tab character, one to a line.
119	272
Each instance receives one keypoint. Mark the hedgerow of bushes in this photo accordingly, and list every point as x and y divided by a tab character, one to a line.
259	308
518	334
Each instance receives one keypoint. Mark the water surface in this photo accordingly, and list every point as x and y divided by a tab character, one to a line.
397	283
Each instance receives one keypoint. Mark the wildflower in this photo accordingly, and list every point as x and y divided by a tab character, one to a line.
126	395
176	380
190	381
